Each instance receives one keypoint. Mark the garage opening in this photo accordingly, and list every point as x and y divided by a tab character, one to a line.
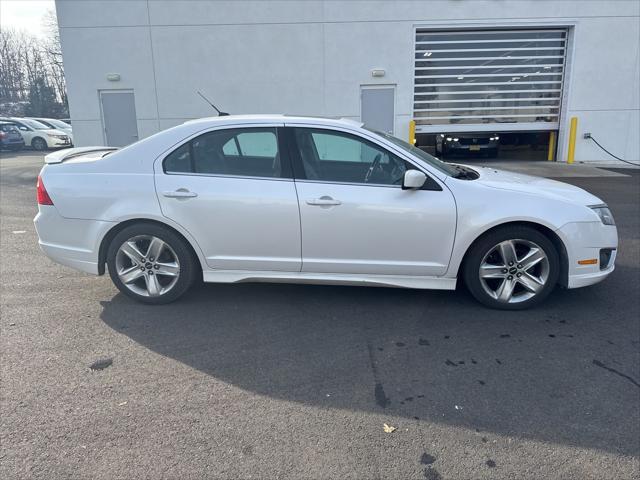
490	93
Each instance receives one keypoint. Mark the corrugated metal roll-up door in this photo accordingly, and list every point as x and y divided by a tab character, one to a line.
488	80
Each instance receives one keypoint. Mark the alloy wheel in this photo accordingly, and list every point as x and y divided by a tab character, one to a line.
147	265
514	271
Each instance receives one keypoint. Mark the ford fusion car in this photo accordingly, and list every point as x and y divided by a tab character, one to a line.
308	200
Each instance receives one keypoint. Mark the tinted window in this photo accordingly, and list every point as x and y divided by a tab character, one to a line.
421	154
339	157
35	124
251	152
7	127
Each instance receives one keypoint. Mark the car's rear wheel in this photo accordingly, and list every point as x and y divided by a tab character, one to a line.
512	268
39	144
151	263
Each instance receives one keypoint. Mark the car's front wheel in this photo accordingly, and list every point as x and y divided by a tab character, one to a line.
512	268
151	264
39	144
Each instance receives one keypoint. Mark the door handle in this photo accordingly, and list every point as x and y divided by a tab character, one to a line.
324	201
180	193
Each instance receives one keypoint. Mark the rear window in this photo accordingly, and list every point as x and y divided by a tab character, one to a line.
8	127
246	152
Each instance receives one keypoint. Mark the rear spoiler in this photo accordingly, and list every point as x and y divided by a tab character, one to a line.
62	155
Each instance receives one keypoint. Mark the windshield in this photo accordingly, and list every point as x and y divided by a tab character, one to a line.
443	167
34	124
58	123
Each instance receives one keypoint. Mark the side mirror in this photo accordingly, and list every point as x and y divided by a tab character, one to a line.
413	179
24	129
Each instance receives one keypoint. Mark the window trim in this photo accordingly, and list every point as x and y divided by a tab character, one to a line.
299	174
286	169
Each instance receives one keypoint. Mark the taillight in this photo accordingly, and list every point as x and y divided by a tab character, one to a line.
2	134
42	195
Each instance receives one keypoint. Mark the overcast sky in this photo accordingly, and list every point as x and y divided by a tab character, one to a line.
25	14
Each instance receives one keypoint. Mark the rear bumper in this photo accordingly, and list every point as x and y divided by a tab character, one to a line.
12	143
583	241
71	242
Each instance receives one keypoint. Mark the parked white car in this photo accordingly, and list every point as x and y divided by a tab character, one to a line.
308	200
38	135
56	125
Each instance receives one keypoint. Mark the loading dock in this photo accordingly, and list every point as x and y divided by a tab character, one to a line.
473	87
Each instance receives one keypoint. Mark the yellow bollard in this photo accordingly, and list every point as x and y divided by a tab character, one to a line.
412	132
572	140
552	146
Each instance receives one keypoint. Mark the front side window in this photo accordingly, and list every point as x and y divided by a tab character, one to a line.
333	156
250	152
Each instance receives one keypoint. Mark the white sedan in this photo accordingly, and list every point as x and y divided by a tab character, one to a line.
307	200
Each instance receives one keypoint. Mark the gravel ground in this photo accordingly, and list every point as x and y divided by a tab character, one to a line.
296	381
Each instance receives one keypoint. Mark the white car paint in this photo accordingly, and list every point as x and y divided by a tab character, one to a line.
56	125
246	229
31	129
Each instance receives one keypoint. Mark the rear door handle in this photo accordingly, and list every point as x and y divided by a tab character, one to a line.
324	201
180	193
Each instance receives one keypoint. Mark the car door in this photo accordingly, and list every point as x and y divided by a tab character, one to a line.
356	218
232	189
26	132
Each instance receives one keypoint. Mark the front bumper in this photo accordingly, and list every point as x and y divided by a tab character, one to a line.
473	148
59	143
584	241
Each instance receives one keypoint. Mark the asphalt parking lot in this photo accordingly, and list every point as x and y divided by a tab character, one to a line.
296	381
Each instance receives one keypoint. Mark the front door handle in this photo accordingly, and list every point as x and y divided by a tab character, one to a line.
180	193
324	201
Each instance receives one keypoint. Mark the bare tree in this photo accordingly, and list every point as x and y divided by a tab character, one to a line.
31	73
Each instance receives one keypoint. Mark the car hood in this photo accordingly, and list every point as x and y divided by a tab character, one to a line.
530	184
54	131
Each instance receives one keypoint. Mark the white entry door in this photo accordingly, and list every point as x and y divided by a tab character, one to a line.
119	117
377	107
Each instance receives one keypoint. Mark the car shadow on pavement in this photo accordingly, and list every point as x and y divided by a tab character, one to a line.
556	373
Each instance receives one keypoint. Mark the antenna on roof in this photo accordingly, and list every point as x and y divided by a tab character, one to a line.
220	114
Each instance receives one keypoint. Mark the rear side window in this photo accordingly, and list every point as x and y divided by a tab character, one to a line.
247	152
6	127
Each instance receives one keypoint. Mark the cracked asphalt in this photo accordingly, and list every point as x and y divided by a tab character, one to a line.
296	381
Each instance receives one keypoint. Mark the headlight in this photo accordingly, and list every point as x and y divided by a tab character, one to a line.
449	139
604	213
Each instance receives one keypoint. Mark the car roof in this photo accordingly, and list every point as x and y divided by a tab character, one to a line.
275	118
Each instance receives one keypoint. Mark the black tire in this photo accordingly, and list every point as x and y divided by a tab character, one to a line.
485	244
188	264
39	144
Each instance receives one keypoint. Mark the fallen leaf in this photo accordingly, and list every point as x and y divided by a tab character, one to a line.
388	428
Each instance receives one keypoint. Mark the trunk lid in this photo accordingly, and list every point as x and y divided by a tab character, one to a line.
83	154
